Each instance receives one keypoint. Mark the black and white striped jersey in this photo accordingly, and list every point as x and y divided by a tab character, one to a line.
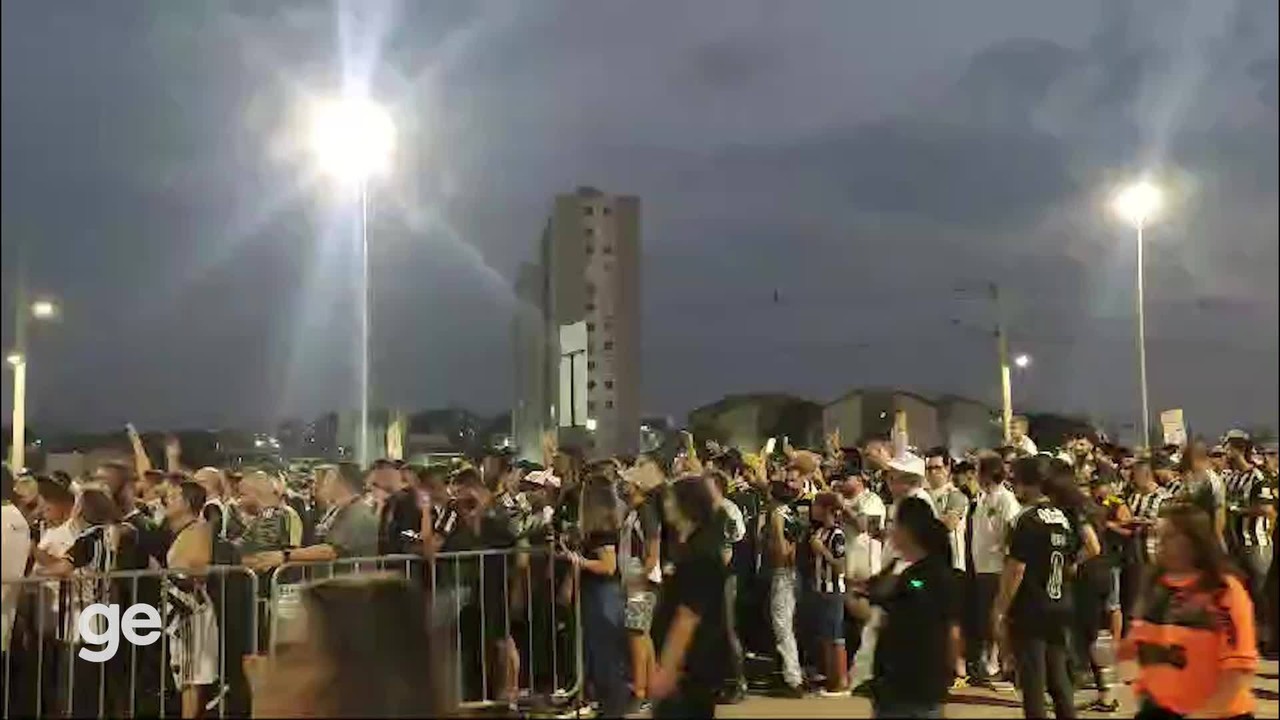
1145	506
828	577
1247	490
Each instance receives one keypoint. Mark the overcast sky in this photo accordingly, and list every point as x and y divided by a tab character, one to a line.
861	159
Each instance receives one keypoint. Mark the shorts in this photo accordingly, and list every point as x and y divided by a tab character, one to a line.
638	613
828	610
1113	590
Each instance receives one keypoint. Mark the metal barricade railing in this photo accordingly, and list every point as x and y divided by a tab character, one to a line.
511	619
47	674
503	611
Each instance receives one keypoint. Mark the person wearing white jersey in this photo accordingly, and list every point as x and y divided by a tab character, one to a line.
15	547
992	520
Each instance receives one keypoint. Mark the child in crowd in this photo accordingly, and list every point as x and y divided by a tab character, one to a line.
827	541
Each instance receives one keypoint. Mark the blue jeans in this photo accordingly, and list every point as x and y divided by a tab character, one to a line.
604	639
906	710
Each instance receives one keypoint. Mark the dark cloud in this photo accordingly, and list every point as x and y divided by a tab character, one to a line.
856	160
731	62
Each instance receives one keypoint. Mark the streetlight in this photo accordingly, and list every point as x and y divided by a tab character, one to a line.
1023	361
1137	203
352	139
43	309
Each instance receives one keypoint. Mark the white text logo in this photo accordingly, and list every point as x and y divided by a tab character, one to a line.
140	623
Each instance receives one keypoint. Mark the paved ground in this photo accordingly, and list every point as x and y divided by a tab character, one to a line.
968	703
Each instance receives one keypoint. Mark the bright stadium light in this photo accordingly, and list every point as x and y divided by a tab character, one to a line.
1023	361
351	138
14	359
1136	203
44	309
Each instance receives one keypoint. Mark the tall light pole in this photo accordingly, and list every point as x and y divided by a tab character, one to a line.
42	309
352	139
1136	204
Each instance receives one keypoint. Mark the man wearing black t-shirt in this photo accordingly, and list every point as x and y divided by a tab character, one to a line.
400	521
1035	592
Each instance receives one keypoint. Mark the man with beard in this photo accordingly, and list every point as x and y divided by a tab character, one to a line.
347	529
782	530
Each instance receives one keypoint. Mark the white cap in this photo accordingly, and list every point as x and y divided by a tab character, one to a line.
908	463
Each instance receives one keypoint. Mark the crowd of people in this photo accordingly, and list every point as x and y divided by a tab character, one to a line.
686	579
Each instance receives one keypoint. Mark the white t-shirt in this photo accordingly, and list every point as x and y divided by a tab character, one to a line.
993	518
15	548
924	495
1026	445
867	504
862	557
57	542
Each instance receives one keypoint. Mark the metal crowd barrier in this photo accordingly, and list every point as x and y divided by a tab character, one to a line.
487	601
44	675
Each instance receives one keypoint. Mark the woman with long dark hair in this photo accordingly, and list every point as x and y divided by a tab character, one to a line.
691	612
603	601
915	655
1193	633
1091	592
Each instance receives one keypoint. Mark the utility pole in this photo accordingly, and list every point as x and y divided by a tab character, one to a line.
1002	355
18	440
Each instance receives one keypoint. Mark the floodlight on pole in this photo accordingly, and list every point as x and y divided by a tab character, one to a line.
1023	361
1138	203
352	140
41	310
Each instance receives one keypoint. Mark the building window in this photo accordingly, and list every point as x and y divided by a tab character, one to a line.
608	384
588	210
591	289
591	384
608	344
591	327
608	404
591	365
608	250
591	307
605	210
591	406
589	248
589	231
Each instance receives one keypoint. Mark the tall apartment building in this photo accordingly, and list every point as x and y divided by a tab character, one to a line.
577	330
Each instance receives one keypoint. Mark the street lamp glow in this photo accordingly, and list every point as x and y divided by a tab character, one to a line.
44	309
14	359
351	138
1138	202
1022	361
